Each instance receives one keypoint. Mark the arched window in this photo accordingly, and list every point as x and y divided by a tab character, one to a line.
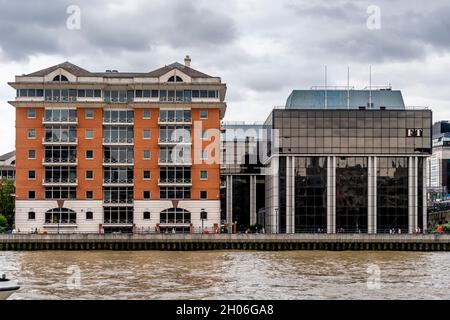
175	79
62	215
60	78
175	215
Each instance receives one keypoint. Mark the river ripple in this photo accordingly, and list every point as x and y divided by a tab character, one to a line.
228	274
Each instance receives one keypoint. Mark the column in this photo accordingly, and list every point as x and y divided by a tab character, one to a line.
412	193
293	194
252	199
424	196
331	195
275	195
416	192
288	195
374	191
370	195
229	201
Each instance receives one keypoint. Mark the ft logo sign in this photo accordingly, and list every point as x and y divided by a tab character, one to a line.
414	132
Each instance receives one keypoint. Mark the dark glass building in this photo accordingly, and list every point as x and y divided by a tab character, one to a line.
346	161
242	176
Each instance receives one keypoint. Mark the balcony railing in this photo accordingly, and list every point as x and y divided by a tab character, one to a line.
60	181
175	181
118	141
175	120
118	221
119	100
118	121
117	201
118	162
175	99
184	161
178	140
61	99
69	120
61	223
70	141
59	161
118	181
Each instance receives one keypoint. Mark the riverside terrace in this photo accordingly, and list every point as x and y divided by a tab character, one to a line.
187	242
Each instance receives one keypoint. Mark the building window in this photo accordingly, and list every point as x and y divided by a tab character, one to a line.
147	175
175	79
31	113
146	134
146	215
31	215
204	155
203	175
89	215
89	175
31	133
60	216
89	114
147	154
31	194
147	114
31	154
203	114
89	134
205	135
31	175
89	195
89	154
147	195
203	194
60	78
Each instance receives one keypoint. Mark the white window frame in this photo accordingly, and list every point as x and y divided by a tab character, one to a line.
207	176
86	134
31	137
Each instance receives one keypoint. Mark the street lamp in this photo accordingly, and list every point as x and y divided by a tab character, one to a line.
203	216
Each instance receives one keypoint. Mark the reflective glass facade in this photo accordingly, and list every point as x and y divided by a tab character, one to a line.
310	194
392	194
352	131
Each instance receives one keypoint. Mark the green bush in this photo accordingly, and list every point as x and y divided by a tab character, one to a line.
3	223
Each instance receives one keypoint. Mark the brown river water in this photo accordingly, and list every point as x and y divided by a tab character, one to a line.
228	275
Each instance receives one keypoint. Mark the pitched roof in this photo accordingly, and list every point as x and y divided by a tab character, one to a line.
80	72
73	69
187	70
7	156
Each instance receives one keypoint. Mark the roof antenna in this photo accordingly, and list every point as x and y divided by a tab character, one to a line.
326	89
370	87
348	87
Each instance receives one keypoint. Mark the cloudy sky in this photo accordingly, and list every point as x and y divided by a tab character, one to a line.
262	49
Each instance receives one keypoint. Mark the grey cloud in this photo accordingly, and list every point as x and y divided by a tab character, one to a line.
40	27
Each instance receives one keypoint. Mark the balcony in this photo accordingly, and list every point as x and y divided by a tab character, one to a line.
118	100
60	182
174	120
118	182
59	162
115	162
117	203
175	182
175	162
61	99
107	122
63	120
118	222
65	142
118	141
170	141
175	99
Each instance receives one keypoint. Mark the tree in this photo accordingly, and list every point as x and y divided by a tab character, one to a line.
7	204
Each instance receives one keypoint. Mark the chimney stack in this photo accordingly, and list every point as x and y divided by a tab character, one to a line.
187	61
